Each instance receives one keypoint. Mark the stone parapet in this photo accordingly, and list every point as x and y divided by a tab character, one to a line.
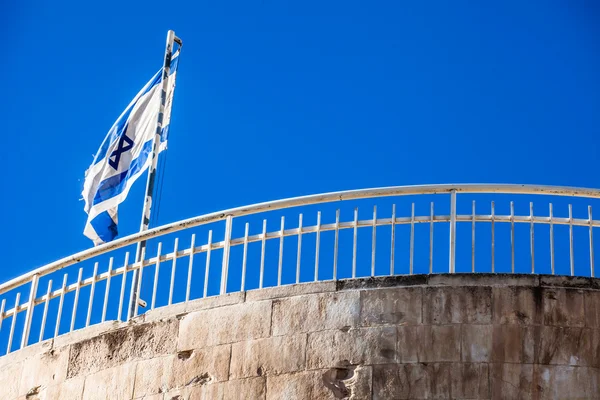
461	336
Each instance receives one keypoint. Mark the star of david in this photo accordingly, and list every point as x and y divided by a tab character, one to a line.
125	144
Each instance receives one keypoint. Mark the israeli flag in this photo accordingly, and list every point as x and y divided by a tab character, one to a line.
124	155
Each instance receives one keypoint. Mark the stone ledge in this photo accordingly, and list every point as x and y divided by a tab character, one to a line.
290	290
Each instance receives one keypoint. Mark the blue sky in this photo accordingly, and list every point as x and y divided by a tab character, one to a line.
276	99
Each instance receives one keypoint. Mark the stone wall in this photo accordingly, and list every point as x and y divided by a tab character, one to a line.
418	337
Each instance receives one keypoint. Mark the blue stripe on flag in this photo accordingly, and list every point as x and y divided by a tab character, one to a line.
114	185
105	227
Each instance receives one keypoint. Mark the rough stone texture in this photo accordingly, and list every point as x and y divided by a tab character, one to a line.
348	381
456	336
391	306
123	345
457	305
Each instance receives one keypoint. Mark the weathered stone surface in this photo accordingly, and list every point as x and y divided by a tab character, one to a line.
44	370
483	279
203	365
363	346
237	389
470	381
162	313
10	376
81	334
30	351
225	325
350	382
517	305
290	291
579	282
152	376
123	345
592	309
70	389
480	340
476	343
378	282
113	383
512	344
302	314
564	382
568	346
563	307
428	343
215	301
512	381
269	356
397	306
412	381
452	305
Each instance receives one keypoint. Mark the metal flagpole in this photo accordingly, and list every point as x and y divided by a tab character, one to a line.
135	300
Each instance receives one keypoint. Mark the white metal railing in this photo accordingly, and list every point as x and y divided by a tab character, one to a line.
103	283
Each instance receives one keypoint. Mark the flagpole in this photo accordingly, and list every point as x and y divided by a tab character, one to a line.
135	300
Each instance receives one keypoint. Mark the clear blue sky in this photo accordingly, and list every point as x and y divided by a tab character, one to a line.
277	100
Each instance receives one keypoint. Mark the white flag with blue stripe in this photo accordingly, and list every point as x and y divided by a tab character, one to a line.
124	155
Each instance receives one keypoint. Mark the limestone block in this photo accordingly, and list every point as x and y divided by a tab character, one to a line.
452	305
470	381
290	291
117	347
428	343
592	308
568	346
237	389
563	307
153	376
225	325
302	314
114	383
350	382
517	305
565	382
513	344
269	356
70	389
199	366
369	346
412	381
397	306
476	343
43	370
30	351
10	376
511	381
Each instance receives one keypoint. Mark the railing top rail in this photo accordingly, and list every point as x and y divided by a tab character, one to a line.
299	201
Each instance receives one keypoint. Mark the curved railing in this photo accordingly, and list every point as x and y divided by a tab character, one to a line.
327	243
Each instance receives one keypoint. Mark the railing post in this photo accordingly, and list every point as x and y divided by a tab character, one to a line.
452	231
30	305
226	246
